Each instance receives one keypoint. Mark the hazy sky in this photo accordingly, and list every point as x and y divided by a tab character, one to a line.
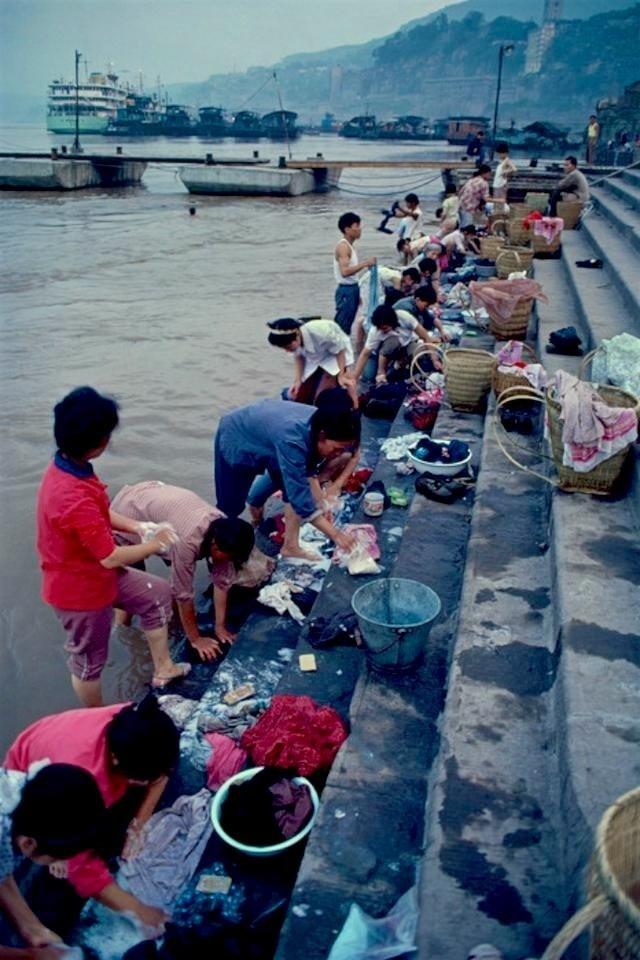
180	40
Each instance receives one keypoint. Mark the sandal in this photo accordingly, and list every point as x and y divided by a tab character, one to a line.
159	682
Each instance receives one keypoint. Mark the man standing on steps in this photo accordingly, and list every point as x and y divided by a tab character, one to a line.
593	135
346	269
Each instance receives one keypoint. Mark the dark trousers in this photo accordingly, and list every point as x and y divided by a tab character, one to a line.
347	300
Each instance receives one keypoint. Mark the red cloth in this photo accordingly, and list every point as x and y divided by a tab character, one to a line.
79	737
528	220
357	480
226	759
73	535
295	734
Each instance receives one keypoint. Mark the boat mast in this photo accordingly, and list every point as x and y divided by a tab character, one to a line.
76	143
282	116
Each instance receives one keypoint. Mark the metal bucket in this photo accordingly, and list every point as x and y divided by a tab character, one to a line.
395	617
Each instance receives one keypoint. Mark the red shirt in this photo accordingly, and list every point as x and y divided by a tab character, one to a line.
78	737
73	535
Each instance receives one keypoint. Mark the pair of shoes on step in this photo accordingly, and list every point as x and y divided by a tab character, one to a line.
565	342
593	264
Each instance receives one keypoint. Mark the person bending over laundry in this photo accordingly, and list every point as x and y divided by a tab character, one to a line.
292	442
461	241
48	816
204	533
322	355
429	273
84	572
346	269
420	306
474	195
393	338
129	750
411	216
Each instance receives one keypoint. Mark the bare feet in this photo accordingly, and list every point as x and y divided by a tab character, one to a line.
296	552
175	672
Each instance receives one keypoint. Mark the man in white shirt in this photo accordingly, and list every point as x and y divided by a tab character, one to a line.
504	171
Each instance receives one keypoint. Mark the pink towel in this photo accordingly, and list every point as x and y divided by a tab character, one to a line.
226	759
592	431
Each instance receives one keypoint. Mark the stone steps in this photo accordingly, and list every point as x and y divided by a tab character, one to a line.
612	203
625	191
621	259
631	175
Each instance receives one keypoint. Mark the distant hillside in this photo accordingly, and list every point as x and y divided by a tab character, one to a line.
444	64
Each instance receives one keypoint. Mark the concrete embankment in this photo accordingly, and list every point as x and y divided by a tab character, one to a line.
67	174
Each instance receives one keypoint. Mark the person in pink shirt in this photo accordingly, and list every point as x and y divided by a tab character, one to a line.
130	750
84	573
474	195
204	533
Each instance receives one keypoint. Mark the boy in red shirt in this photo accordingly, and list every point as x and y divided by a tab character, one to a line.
84	573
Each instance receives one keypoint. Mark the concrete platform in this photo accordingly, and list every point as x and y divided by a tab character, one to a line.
67	174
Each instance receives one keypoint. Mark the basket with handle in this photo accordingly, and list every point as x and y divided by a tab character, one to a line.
518	211
612	914
586	360
602	480
467	377
427	356
537	201
518	233
540	244
501	381
570	211
490	246
514	327
511	259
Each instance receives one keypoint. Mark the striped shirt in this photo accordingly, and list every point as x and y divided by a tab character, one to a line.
190	517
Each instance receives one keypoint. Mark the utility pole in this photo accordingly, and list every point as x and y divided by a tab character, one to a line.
505	48
76	142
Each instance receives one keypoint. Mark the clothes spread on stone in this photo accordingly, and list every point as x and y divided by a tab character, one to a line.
396	448
501	297
592	431
617	361
340	630
107	934
232	720
279	597
256	570
443	451
180	709
175	839
364	938
11	786
296	734
266	809
361	558
226	759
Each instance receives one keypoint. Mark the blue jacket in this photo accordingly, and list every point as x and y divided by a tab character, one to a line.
274	435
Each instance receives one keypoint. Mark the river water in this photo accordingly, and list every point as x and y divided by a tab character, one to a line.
127	292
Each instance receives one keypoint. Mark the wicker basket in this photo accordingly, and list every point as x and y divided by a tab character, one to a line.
518	233
490	247
511	259
540	244
515	328
602	480
570	211
615	867
518	211
467	376
501	381
537	201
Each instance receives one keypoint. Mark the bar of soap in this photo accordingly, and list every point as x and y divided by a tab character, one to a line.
307	662
240	693
212	883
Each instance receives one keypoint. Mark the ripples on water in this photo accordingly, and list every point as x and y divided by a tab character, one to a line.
125	291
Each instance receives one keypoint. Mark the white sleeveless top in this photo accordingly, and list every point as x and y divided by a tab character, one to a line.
353	262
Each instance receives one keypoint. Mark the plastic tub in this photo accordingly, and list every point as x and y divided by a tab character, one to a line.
395	616
438	469
220	798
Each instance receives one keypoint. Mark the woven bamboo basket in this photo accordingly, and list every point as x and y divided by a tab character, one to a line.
586	360
611	912
537	201
515	328
491	246
602	480
540	245
501	381
427	355
511	259
518	211
518	233
570	211
467	377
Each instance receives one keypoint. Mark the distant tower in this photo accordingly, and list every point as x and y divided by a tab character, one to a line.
540	39
552	11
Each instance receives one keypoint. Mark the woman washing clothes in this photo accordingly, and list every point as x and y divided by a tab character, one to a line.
84	572
204	533
322	354
130	750
292	442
